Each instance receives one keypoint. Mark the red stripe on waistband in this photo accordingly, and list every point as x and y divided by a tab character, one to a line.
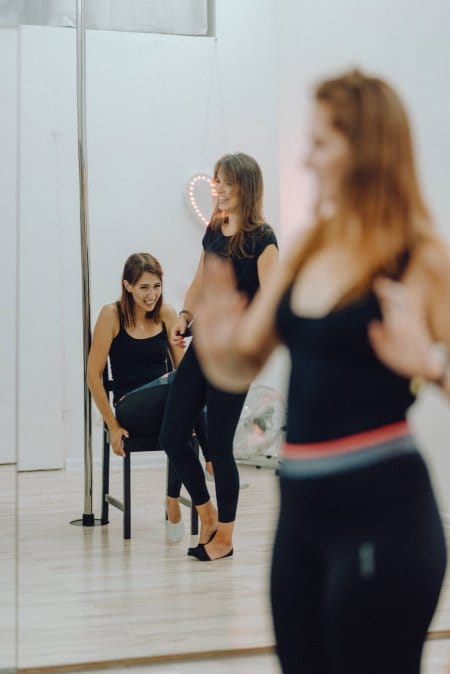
349	443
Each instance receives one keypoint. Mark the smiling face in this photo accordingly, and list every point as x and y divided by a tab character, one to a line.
330	153
227	194
145	292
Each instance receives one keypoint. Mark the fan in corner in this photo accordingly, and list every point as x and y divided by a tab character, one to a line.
260	428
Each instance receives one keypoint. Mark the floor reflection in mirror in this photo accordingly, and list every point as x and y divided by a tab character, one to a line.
103	599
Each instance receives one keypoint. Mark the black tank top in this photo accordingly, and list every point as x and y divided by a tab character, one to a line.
245	268
135	362
337	385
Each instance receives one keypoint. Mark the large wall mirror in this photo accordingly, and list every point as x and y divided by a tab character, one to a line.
162	104
170	87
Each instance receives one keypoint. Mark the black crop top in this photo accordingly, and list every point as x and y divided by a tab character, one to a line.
135	362
338	386
245	268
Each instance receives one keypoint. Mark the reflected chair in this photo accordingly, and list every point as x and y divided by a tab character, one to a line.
131	445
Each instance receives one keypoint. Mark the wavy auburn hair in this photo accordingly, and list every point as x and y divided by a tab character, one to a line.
244	173
380	199
135	265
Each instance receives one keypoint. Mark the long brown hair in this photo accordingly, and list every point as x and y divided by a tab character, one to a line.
244	173
380	197
135	265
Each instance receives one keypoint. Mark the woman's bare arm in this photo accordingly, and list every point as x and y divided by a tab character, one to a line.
106	328
191	299
267	265
170	318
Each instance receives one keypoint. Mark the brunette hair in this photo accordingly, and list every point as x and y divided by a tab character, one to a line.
380	196
135	265
242	171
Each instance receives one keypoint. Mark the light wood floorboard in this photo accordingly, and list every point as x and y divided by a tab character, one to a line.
100	597
86	595
436	660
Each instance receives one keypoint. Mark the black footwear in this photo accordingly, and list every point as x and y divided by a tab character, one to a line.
192	551
203	556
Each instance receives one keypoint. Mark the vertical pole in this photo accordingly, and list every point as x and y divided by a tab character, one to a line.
88	516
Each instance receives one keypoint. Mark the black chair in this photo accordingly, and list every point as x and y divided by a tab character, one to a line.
132	444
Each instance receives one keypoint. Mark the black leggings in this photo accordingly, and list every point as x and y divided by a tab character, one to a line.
358	564
189	393
141	412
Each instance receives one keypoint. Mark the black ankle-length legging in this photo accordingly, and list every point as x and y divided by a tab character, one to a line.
141	412
358	563
188	395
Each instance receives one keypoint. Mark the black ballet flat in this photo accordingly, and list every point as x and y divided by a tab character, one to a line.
192	552
203	556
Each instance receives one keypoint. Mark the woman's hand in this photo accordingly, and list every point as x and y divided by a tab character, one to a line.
176	332
402	339
116	436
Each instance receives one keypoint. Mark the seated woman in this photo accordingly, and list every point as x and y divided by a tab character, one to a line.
133	334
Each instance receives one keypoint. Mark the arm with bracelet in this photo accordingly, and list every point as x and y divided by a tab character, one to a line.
188	316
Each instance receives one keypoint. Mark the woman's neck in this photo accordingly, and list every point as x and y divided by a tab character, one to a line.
140	315
232	225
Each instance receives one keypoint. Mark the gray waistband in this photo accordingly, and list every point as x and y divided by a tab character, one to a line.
360	458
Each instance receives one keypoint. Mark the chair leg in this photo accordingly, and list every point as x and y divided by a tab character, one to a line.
126	497
105	476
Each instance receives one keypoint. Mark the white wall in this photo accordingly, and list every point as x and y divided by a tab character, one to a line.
406	42
160	108
8	200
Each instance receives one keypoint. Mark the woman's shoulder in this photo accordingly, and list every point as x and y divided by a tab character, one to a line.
261	236
110	313
108	321
429	268
263	230
432	257
212	232
266	228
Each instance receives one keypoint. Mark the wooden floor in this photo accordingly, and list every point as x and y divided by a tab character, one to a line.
104	598
436	660
87	596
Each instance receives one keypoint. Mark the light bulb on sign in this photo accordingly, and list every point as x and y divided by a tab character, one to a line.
200	197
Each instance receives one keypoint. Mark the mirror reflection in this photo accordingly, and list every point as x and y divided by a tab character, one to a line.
8	218
161	107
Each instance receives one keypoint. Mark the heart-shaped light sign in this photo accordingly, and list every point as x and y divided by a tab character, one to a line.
200	197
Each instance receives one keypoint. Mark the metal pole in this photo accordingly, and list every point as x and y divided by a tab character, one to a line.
88	516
